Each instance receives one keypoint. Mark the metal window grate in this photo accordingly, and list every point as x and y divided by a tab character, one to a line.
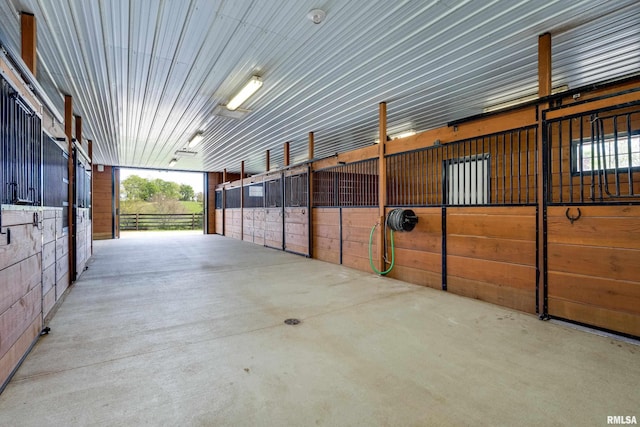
55	177
21	141
232	197
594	157
496	169
353	184
273	193
296	189
218	199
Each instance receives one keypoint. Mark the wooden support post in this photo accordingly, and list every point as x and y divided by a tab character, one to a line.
79	130
287	158
68	130
268	161
382	183
29	40
224	175
544	65
544	89
311	145
242	200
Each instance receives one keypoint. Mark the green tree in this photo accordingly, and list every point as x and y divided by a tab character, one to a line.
137	188
186	193
199	197
166	189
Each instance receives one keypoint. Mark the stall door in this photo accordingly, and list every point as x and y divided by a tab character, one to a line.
274	213
296	212
593	218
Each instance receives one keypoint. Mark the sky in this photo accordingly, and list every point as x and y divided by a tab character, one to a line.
194	179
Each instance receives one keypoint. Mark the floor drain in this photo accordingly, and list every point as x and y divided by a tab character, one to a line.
292	321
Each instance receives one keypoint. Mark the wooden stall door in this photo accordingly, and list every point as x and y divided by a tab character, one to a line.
593	266
274	213
296	212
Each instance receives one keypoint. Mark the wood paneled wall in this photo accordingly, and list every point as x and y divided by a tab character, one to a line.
326	226
419	252
491	254
594	266
356	229
296	230
20	285
103	219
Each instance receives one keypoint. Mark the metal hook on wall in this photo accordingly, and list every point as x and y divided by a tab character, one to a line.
573	218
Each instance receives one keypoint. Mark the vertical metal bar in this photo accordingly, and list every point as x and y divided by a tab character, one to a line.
600	162
477	162
604	177
504	168
593	166
519	165
580	159
511	153
615	151
444	248
571	145
629	147
560	159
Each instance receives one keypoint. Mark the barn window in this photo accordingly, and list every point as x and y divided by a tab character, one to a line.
606	154
467	180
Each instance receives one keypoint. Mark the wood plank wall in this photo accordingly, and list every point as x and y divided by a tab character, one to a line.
594	266
83	243
254	225
326	234
20	286
418	257
232	222
356	229
102	203
491	254
213	180
296	230
273	225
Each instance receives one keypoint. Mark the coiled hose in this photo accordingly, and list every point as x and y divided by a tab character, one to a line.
397	220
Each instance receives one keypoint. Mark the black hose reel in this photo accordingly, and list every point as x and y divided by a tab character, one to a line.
402	219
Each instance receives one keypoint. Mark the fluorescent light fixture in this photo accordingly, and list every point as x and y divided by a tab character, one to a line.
237	114
185	153
197	138
399	135
173	162
247	90
522	100
404	134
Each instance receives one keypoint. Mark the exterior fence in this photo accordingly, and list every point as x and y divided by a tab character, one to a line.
137	222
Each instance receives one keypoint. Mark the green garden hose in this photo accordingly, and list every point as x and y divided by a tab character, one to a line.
373	267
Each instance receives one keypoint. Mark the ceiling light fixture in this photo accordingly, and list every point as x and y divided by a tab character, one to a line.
185	153
399	135
247	90
196	139
173	162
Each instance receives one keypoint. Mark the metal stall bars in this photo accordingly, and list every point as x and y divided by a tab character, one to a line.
21	149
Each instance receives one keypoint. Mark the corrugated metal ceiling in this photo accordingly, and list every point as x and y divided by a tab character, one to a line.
146	75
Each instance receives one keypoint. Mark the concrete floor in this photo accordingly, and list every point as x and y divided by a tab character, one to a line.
185	329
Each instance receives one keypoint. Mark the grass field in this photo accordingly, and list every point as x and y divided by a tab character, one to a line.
171	206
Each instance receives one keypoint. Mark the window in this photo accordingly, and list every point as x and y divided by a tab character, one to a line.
608	154
467	180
